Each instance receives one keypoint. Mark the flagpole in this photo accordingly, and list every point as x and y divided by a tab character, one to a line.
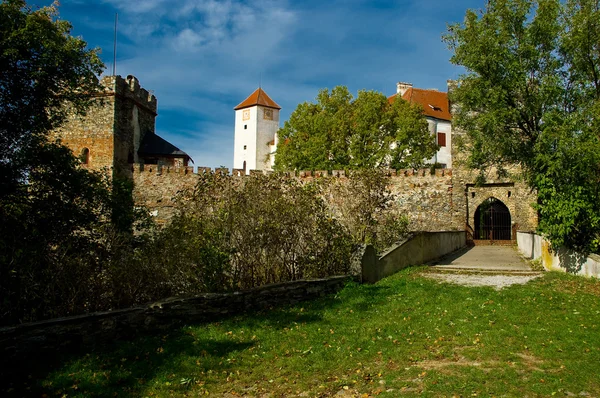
115	47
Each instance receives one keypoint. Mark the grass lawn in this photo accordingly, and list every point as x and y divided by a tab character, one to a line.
405	336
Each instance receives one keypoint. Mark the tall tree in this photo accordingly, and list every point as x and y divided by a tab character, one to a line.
50	208
340	131
530	97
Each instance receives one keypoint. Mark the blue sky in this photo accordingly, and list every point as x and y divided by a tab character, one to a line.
203	57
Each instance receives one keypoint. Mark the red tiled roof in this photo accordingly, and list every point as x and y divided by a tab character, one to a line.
435	103
258	97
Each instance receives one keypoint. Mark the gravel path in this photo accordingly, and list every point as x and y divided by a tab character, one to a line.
496	281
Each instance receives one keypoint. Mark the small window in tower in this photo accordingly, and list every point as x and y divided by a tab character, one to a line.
509	193
245	127
472	194
245	146
85	156
441	138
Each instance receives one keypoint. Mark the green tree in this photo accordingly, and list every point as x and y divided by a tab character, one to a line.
343	132
52	211
530	97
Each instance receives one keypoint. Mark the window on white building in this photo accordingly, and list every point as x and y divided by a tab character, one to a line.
441	139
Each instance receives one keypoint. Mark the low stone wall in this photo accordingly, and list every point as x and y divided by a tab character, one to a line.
27	340
534	246
419	249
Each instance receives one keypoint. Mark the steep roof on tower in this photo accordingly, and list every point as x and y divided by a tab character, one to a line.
435	103
258	97
154	145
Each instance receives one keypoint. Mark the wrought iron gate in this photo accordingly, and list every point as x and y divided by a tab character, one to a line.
492	221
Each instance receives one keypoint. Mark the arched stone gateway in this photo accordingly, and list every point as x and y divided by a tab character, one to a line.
492	221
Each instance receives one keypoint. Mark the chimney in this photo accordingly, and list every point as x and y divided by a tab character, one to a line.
401	87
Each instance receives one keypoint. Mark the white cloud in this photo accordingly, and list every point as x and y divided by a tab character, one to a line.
140	7
187	40
203	57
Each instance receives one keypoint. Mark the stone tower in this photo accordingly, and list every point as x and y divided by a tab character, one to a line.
256	125
119	130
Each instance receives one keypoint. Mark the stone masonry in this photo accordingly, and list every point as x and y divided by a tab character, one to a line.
441	201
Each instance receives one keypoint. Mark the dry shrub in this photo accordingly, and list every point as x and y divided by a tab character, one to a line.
265	229
363	204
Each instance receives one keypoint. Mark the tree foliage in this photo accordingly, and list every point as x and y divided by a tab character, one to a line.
52	212
342	132
531	97
42	67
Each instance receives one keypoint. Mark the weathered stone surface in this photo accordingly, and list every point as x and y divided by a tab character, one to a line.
113	127
439	201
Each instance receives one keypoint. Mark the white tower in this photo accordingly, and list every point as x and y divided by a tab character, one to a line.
256	125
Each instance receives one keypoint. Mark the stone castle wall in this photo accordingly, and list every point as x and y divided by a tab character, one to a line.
93	131
425	198
114	126
445	200
518	197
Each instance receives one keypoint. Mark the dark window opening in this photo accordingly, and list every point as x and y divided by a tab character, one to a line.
85	156
245	127
245	146
509	194
441	138
472	194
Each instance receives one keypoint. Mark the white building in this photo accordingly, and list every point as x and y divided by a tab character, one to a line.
436	108
257	122
256	125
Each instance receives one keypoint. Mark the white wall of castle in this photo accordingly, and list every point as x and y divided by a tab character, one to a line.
444	154
252	138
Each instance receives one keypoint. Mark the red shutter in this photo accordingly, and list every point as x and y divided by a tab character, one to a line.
441	139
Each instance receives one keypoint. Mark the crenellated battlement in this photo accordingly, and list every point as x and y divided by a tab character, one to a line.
424	196
158	170
130	88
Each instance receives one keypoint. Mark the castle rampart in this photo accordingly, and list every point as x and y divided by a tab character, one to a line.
426	198
129	88
108	136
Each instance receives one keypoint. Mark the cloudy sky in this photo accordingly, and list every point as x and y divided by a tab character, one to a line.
203	57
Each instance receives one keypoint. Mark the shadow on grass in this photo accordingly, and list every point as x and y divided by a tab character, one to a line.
129	367
124	367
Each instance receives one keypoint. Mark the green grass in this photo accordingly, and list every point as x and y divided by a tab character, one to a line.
407	335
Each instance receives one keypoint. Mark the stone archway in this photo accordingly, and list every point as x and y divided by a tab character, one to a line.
492	221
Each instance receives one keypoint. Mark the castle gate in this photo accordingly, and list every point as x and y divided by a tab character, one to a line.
492	221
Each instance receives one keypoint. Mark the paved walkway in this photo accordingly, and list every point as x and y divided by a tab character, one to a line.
493	266
485	258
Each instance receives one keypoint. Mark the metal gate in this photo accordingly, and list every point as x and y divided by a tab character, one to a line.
492	221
